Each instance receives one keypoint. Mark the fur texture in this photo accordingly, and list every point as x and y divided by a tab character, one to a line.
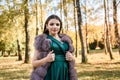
43	45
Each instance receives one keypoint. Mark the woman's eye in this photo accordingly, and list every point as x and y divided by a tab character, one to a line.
57	24
51	24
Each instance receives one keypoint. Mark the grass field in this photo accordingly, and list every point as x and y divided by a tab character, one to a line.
99	67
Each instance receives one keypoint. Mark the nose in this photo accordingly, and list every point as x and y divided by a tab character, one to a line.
55	26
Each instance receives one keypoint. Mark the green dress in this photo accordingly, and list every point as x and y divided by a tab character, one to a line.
58	69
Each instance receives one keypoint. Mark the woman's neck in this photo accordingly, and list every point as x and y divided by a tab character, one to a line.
54	35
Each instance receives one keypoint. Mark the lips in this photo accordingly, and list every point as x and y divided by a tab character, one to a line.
54	30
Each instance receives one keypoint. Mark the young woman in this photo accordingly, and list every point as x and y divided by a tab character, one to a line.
53	58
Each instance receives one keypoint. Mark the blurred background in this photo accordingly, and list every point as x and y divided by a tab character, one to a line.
93	25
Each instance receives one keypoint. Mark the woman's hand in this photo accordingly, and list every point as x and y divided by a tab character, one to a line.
69	56
50	57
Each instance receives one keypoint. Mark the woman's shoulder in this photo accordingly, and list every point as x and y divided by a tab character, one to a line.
65	37
39	39
41	42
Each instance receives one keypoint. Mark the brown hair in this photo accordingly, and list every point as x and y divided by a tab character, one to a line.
48	19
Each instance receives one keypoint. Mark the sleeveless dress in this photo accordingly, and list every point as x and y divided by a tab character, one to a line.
58	69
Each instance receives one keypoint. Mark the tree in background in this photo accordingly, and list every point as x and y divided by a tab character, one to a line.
83	43
106	34
37	16
19	51
12	16
17	30
86	27
117	35
65	11
76	32
26	14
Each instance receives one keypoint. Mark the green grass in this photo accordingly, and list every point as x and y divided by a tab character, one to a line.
99	67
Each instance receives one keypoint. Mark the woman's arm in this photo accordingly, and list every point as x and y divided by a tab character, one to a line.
49	58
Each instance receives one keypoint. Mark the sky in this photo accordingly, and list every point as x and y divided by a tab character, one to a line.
90	4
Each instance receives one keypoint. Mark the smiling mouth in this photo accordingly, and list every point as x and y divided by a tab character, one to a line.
54	30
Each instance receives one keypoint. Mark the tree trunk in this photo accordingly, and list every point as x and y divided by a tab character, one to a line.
86	37
107	40
61	9
83	44
108	35
2	53
37	17
106	51
76	38
26	13
117	35
19	51
41	15
65	14
9	52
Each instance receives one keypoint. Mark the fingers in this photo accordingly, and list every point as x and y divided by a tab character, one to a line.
51	52
69	56
51	56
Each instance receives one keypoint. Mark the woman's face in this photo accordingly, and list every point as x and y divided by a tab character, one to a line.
53	27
